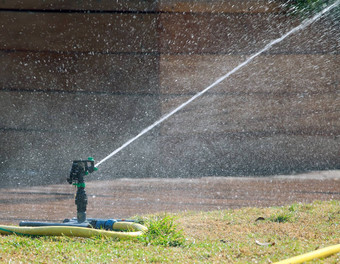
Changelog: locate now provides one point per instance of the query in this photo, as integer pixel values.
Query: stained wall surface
(80, 78)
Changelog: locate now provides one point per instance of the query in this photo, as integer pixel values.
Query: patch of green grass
(224, 236)
(281, 218)
(163, 231)
(286, 214)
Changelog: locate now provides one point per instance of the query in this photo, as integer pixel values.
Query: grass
(163, 231)
(226, 236)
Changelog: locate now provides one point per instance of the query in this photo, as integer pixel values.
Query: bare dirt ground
(122, 198)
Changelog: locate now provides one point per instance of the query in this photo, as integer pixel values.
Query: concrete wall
(80, 78)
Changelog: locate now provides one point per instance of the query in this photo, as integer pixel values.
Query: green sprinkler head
(81, 168)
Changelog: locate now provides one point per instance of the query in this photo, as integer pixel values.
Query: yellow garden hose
(125, 230)
(320, 253)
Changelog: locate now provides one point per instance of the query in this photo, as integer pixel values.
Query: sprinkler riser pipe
(79, 169)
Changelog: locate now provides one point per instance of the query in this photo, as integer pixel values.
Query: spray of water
(304, 24)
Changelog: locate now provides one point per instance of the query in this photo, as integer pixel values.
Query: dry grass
(289, 230)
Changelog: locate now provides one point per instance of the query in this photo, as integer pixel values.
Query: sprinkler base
(96, 223)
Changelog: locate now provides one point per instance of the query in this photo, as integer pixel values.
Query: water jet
(303, 25)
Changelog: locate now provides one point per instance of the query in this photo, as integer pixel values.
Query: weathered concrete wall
(79, 78)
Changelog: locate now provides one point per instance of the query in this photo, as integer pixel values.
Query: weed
(284, 216)
(163, 231)
(281, 218)
(293, 207)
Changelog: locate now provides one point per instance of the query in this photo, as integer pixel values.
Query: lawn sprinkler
(80, 168)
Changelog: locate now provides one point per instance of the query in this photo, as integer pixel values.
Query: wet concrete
(122, 198)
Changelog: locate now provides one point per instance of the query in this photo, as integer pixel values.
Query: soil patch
(122, 198)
